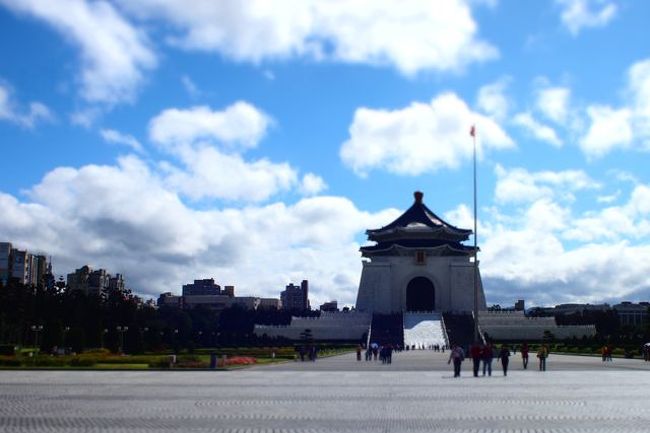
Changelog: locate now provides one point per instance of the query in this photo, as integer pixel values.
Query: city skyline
(255, 143)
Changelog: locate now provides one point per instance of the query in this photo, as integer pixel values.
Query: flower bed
(241, 360)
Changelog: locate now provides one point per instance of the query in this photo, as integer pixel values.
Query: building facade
(631, 314)
(418, 263)
(203, 287)
(22, 266)
(330, 306)
(296, 297)
(94, 282)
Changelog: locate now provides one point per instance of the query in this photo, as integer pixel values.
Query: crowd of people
(482, 355)
(374, 351)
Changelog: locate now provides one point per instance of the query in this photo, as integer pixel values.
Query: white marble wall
(384, 280)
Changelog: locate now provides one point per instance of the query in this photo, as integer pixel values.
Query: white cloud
(11, 112)
(492, 100)
(518, 185)
(113, 136)
(115, 55)
(210, 173)
(618, 223)
(525, 255)
(190, 87)
(421, 137)
(553, 102)
(209, 145)
(538, 130)
(85, 117)
(124, 219)
(626, 126)
(638, 91)
(610, 198)
(579, 14)
(412, 37)
(610, 129)
(240, 125)
(312, 184)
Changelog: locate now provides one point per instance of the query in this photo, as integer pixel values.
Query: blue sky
(254, 142)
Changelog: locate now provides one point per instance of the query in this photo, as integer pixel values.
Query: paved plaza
(417, 393)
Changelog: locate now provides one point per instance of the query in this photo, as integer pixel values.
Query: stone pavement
(427, 360)
(315, 397)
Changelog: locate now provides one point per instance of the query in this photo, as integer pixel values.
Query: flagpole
(476, 333)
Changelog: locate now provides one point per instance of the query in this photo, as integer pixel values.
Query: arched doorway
(420, 295)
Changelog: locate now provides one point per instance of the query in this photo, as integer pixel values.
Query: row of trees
(56, 317)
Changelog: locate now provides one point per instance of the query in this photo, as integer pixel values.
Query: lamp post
(36, 329)
(143, 332)
(472, 132)
(122, 330)
(65, 335)
(103, 336)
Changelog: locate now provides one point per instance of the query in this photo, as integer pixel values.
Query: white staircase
(423, 329)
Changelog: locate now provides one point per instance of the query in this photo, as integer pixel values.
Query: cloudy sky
(255, 141)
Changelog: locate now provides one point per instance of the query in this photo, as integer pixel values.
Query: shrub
(159, 363)
(7, 361)
(82, 362)
(97, 352)
(45, 361)
(192, 364)
(7, 349)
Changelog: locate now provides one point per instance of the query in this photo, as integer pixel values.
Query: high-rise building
(78, 280)
(26, 268)
(330, 306)
(304, 285)
(295, 297)
(5, 261)
(229, 291)
(97, 282)
(116, 283)
(202, 287)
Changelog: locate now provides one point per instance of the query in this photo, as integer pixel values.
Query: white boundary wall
(514, 325)
(329, 326)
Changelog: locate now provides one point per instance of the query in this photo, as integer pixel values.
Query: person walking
(524, 354)
(542, 354)
(475, 354)
(504, 357)
(457, 355)
(359, 352)
(487, 356)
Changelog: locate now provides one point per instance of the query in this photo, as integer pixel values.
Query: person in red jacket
(475, 353)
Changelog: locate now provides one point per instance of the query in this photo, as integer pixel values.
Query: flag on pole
(472, 131)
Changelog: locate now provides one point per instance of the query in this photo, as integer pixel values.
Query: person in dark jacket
(457, 355)
(524, 355)
(487, 355)
(504, 357)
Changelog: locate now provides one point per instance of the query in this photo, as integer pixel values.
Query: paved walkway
(427, 360)
(287, 398)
